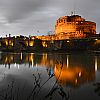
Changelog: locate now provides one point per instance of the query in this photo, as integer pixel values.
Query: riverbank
(23, 44)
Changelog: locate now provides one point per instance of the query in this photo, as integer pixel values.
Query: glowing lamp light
(68, 41)
(79, 74)
(96, 39)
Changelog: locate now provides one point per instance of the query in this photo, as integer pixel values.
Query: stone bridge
(15, 43)
(28, 44)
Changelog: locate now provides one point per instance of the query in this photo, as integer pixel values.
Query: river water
(49, 76)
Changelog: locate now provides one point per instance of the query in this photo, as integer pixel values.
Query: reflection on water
(61, 70)
(96, 66)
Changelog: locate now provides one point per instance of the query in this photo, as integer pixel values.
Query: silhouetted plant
(57, 88)
(7, 94)
(10, 94)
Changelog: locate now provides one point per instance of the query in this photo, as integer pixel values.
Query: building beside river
(71, 33)
(73, 26)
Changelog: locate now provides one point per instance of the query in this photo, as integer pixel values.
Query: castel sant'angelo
(71, 33)
(73, 26)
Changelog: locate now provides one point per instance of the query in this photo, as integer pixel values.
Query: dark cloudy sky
(26, 17)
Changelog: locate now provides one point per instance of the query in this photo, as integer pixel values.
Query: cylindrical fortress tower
(74, 26)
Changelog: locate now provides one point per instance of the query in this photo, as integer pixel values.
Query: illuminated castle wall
(74, 26)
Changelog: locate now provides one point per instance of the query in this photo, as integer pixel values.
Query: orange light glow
(65, 75)
(75, 25)
(72, 75)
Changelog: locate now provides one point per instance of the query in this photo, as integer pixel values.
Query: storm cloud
(37, 17)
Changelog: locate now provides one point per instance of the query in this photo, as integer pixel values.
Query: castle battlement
(74, 26)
